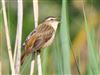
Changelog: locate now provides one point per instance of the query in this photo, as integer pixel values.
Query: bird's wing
(29, 36)
(44, 33)
(39, 37)
(36, 30)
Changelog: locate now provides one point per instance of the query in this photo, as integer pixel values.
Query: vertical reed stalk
(0, 68)
(18, 36)
(93, 63)
(39, 65)
(65, 41)
(35, 10)
(7, 37)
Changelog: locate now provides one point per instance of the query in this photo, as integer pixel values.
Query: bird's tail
(23, 57)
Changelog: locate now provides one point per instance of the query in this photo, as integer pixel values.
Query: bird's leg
(38, 52)
(33, 55)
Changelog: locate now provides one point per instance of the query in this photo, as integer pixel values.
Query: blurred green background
(52, 56)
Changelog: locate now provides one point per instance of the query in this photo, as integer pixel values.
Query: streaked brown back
(38, 37)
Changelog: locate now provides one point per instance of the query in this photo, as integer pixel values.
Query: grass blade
(93, 64)
(64, 36)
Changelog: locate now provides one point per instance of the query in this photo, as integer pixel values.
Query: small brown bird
(40, 37)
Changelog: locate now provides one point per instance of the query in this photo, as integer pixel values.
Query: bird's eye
(52, 19)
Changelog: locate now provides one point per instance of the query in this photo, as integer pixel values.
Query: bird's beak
(58, 19)
(59, 22)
